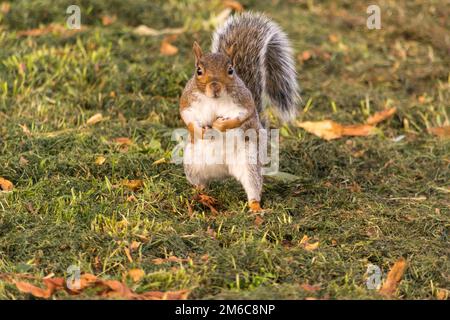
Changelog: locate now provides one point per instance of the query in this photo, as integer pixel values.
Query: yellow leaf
(393, 278)
(133, 184)
(308, 246)
(100, 160)
(107, 20)
(329, 130)
(6, 185)
(442, 294)
(136, 274)
(96, 118)
(162, 160)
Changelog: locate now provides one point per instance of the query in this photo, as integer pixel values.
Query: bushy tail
(263, 60)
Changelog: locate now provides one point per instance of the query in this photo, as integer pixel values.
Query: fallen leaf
(135, 245)
(167, 48)
(442, 294)
(306, 55)
(308, 246)
(37, 292)
(23, 161)
(381, 115)
(96, 118)
(131, 198)
(25, 129)
(162, 160)
(393, 278)
(175, 259)
(333, 38)
(51, 28)
(6, 185)
(136, 274)
(128, 254)
(443, 132)
(258, 221)
(143, 30)
(134, 185)
(233, 4)
(123, 141)
(329, 130)
(108, 20)
(100, 160)
(208, 201)
(310, 288)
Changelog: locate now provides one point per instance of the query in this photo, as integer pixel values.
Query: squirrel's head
(214, 72)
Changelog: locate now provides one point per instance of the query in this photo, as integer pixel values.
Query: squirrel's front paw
(220, 124)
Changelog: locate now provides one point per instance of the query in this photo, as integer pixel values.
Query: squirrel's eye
(199, 71)
(230, 71)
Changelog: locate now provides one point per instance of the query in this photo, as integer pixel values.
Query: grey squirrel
(251, 56)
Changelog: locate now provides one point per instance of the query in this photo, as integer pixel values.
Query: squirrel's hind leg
(250, 176)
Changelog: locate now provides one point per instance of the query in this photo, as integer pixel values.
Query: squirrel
(250, 57)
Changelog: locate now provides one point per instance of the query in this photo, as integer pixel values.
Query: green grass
(66, 210)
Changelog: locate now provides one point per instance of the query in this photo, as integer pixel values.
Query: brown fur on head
(214, 71)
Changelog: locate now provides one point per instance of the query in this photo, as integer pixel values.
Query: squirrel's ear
(231, 53)
(197, 51)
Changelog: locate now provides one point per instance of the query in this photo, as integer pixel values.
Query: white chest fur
(205, 110)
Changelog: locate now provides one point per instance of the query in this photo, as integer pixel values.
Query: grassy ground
(67, 210)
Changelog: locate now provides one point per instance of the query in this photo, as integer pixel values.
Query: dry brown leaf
(306, 55)
(333, 38)
(233, 4)
(443, 132)
(25, 129)
(170, 259)
(143, 30)
(167, 48)
(51, 28)
(23, 161)
(258, 221)
(136, 274)
(123, 141)
(310, 288)
(135, 245)
(307, 245)
(108, 20)
(108, 288)
(6, 185)
(100, 160)
(128, 254)
(134, 185)
(442, 294)
(393, 278)
(96, 118)
(381, 116)
(208, 201)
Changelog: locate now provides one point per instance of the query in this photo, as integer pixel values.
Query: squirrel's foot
(255, 206)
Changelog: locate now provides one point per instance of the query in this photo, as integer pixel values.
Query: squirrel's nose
(216, 86)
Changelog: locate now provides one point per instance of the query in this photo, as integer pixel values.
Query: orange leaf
(306, 55)
(169, 295)
(310, 288)
(6, 185)
(233, 4)
(358, 130)
(258, 221)
(443, 132)
(37, 292)
(381, 115)
(136, 274)
(107, 20)
(326, 129)
(168, 49)
(123, 141)
(308, 246)
(393, 278)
